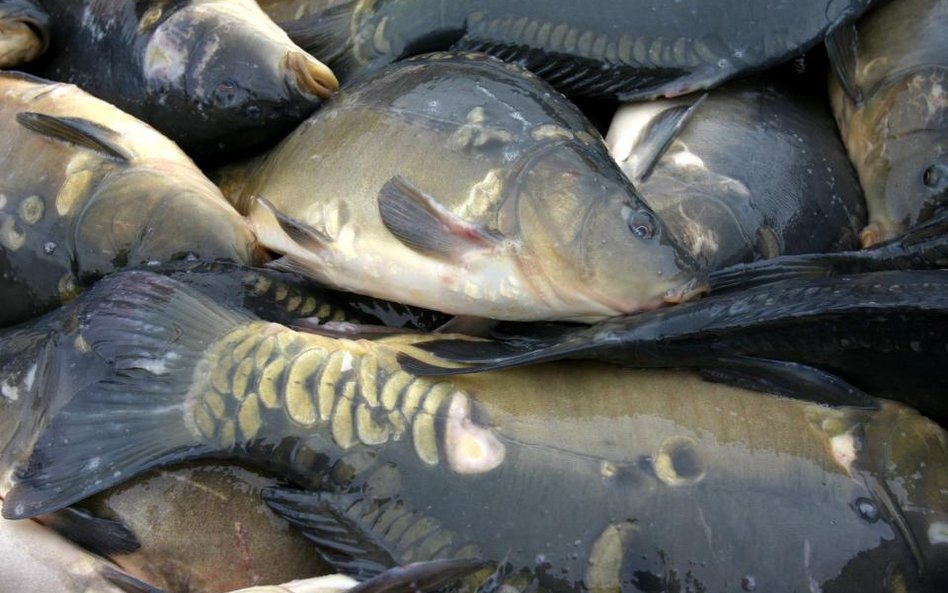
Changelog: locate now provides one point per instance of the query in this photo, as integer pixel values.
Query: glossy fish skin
(124, 195)
(24, 32)
(897, 135)
(609, 48)
(883, 333)
(756, 171)
(215, 76)
(535, 221)
(578, 493)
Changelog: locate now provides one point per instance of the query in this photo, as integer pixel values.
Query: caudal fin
(152, 332)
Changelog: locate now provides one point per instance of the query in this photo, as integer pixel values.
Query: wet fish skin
(88, 189)
(610, 48)
(896, 129)
(24, 32)
(882, 333)
(535, 222)
(756, 171)
(395, 458)
(215, 76)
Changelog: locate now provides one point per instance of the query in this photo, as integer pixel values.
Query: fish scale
(265, 374)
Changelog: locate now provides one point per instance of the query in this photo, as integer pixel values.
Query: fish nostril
(310, 75)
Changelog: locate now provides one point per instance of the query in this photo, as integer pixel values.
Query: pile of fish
(293, 293)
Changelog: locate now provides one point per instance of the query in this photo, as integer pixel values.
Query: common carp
(24, 32)
(753, 170)
(575, 477)
(890, 101)
(628, 50)
(882, 333)
(215, 76)
(533, 221)
(86, 189)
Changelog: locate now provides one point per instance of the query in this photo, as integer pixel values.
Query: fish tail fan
(152, 332)
(327, 37)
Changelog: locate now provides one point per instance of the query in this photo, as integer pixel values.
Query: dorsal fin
(76, 130)
(842, 45)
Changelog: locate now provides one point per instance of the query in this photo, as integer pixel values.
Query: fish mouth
(20, 42)
(690, 290)
(310, 75)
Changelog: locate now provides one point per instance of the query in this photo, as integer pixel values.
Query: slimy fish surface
(86, 189)
(574, 477)
(24, 32)
(534, 221)
(215, 76)
(753, 170)
(890, 98)
(832, 340)
(623, 49)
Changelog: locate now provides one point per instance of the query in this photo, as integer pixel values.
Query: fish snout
(690, 290)
(20, 42)
(310, 75)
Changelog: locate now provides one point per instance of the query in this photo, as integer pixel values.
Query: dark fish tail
(152, 332)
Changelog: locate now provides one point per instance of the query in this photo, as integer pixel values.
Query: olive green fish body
(86, 189)
(24, 32)
(609, 48)
(896, 129)
(757, 170)
(575, 477)
(215, 76)
(534, 220)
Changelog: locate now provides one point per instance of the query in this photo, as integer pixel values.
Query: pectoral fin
(425, 225)
(842, 44)
(76, 130)
(100, 536)
(126, 582)
(340, 540)
(419, 577)
(655, 138)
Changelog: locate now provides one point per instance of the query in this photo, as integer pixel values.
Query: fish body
(891, 104)
(608, 48)
(756, 170)
(882, 332)
(534, 221)
(291, 10)
(24, 32)
(215, 76)
(575, 477)
(86, 189)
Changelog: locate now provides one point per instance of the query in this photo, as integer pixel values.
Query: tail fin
(152, 331)
(327, 37)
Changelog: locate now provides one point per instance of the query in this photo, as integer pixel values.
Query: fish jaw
(310, 75)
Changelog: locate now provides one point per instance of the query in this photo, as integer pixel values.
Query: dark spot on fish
(936, 176)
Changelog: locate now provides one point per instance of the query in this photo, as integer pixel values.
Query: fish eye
(935, 176)
(641, 223)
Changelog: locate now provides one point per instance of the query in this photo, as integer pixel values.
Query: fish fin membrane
(576, 76)
(76, 130)
(104, 537)
(789, 379)
(923, 247)
(658, 136)
(326, 36)
(486, 356)
(152, 331)
(125, 581)
(321, 517)
(420, 577)
(423, 224)
(842, 45)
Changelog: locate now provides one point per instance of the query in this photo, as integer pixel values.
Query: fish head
(237, 78)
(24, 32)
(597, 241)
(159, 213)
(900, 148)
